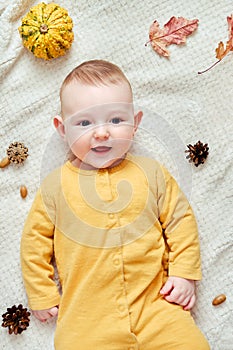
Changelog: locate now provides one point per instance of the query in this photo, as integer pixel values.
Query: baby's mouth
(101, 149)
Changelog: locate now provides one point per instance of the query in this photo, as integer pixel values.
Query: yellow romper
(116, 235)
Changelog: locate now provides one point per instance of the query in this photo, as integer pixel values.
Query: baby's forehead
(76, 96)
(71, 85)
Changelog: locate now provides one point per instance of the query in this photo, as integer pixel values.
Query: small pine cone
(16, 319)
(17, 152)
(197, 153)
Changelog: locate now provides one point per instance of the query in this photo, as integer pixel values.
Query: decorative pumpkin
(46, 31)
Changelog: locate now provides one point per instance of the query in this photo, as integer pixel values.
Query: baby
(123, 235)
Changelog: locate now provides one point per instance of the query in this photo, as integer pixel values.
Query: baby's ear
(59, 125)
(137, 120)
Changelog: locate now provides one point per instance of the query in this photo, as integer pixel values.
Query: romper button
(111, 215)
(116, 261)
(121, 308)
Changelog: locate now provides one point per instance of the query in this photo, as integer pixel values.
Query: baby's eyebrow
(119, 111)
(80, 116)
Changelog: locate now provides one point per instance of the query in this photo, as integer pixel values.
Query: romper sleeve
(36, 255)
(179, 228)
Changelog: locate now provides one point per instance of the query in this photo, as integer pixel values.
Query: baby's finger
(171, 298)
(177, 297)
(168, 286)
(53, 311)
(191, 303)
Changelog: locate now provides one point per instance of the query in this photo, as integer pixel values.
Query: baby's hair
(96, 72)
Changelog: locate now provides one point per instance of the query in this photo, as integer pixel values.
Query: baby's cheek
(75, 136)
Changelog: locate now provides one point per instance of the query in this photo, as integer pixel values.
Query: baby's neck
(85, 166)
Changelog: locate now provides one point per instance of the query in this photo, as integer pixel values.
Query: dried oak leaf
(174, 31)
(221, 50)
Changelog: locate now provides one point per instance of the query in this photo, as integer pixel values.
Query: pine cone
(16, 319)
(17, 152)
(197, 153)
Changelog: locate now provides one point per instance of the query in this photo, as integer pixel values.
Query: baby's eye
(116, 120)
(84, 123)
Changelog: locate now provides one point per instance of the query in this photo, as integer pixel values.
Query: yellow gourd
(46, 31)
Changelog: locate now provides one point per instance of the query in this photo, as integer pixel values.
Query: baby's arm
(44, 315)
(180, 291)
(180, 231)
(37, 250)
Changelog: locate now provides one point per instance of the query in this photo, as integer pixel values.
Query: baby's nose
(101, 132)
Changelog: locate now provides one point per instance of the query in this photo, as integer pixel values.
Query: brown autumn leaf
(175, 31)
(222, 50)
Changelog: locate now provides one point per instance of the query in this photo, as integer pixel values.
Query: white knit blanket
(180, 107)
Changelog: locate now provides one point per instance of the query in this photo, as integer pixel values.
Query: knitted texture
(180, 107)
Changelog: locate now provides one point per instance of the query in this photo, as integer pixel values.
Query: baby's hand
(180, 291)
(44, 315)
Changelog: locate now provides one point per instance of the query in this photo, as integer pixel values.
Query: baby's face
(99, 123)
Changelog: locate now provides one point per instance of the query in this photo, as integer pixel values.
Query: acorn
(4, 162)
(23, 191)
